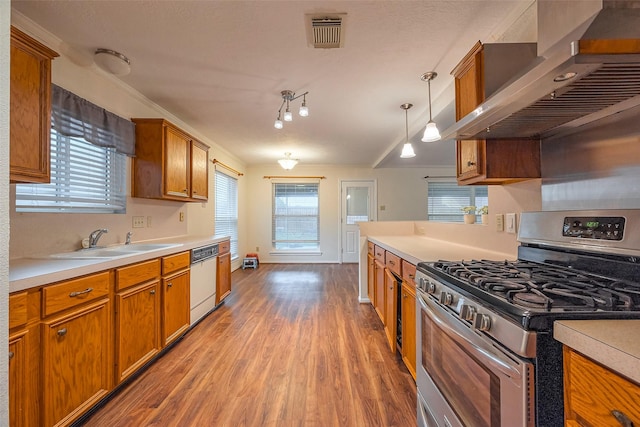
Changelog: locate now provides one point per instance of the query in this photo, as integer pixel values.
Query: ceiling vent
(325, 31)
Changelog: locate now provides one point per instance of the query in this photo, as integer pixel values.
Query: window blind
(85, 178)
(226, 215)
(296, 222)
(446, 199)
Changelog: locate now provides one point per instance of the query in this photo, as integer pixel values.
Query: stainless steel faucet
(128, 238)
(95, 236)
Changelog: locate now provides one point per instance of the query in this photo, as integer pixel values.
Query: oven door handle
(479, 349)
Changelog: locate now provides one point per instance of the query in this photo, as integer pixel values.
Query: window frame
(232, 230)
(295, 245)
(455, 213)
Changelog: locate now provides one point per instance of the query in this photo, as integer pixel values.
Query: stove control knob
(431, 287)
(446, 298)
(467, 312)
(481, 322)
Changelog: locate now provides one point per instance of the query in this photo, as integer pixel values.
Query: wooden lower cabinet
(77, 367)
(391, 308)
(370, 277)
(175, 306)
(409, 327)
(18, 380)
(137, 327)
(223, 280)
(379, 293)
(596, 396)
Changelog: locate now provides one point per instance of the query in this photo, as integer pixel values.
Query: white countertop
(613, 343)
(25, 273)
(416, 248)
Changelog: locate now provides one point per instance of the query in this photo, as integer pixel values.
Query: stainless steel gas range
(486, 354)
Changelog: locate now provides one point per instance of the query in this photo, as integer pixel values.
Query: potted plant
(469, 214)
(484, 214)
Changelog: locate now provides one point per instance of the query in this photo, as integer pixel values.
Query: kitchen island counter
(612, 343)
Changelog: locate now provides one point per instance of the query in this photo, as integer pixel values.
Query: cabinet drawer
(370, 248)
(175, 262)
(378, 253)
(69, 294)
(137, 273)
(224, 247)
(592, 392)
(394, 263)
(18, 310)
(408, 272)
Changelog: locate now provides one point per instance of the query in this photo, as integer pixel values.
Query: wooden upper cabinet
(30, 105)
(480, 74)
(169, 163)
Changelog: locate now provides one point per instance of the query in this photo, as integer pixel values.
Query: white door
(358, 205)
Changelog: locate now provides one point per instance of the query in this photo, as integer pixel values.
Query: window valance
(73, 116)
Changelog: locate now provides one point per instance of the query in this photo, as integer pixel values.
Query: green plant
(468, 209)
(483, 210)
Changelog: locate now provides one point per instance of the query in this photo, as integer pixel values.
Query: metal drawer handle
(75, 294)
(622, 418)
(470, 163)
(392, 262)
(152, 291)
(169, 285)
(11, 354)
(62, 332)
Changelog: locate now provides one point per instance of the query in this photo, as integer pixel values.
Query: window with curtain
(88, 153)
(226, 216)
(296, 221)
(446, 199)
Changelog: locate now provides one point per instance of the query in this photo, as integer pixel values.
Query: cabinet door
(391, 310)
(409, 328)
(370, 277)
(76, 364)
(469, 159)
(199, 171)
(18, 395)
(223, 279)
(379, 290)
(176, 168)
(30, 104)
(137, 327)
(175, 306)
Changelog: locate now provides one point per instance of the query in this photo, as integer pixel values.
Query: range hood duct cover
(534, 105)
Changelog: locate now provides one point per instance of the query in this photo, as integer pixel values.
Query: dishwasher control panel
(204, 252)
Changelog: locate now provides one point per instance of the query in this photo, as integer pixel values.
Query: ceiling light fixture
(431, 132)
(288, 163)
(407, 149)
(112, 62)
(287, 97)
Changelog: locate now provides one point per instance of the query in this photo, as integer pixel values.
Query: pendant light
(407, 149)
(431, 132)
(287, 163)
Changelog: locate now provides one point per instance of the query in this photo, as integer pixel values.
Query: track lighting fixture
(287, 97)
(407, 149)
(431, 132)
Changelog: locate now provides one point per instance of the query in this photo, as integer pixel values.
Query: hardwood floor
(291, 346)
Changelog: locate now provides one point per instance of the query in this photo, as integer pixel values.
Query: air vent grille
(326, 32)
(608, 85)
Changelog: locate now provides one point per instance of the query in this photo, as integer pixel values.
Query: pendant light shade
(407, 149)
(431, 132)
(287, 163)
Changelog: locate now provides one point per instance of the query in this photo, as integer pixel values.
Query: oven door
(466, 379)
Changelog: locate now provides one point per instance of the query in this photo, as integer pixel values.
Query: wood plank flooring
(291, 346)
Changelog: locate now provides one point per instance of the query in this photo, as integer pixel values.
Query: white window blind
(226, 216)
(446, 199)
(296, 221)
(85, 178)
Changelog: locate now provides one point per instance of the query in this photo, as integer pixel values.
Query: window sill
(295, 253)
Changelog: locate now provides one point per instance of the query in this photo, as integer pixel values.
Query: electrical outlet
(257, 248)
(499, 222)
(138, 222)
(421, 231)
(181, 216)
(149, 221)
(511, 225)
(382, 207)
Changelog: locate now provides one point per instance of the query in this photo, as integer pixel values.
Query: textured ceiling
(221, 65)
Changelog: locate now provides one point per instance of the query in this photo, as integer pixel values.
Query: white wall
(5, 8)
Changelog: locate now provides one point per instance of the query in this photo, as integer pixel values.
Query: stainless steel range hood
(539, 104)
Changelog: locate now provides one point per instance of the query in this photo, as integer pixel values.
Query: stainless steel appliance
(486, 355)
(203, 281)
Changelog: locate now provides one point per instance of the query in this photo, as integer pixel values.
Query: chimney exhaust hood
(591, 73)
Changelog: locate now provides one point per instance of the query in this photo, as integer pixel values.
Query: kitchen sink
(114, 251)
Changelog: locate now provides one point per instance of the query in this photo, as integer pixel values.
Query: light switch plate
(511, 225)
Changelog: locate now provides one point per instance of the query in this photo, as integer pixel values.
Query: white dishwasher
(203, 281)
